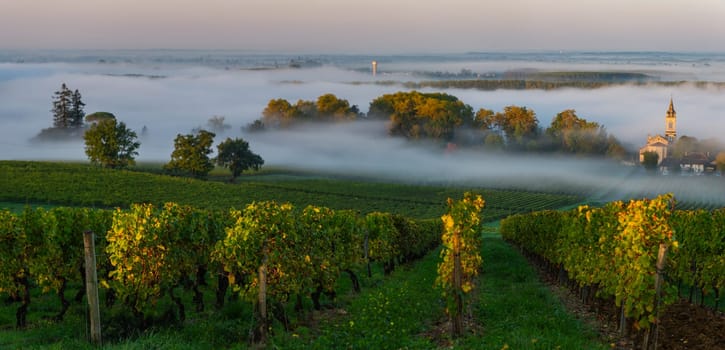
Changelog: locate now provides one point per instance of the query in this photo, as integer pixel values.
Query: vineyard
(149, 253)
(264, 255)
(637, 254)
(68, 184)
(161, 266)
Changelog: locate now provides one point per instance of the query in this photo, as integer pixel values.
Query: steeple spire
(671, 122)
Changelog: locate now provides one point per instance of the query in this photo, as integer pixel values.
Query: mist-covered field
(171, 96)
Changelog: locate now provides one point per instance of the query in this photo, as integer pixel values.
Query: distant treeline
(522, 84)
(533, 75)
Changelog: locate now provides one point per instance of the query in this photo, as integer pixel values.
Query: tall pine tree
(62, 105)
(76, 111)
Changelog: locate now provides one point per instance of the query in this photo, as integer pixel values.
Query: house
(696, 163)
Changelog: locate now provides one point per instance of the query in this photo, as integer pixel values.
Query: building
(657, 144)
(696, 163)
(661, 144)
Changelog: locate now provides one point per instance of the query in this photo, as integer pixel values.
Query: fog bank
(169, 100)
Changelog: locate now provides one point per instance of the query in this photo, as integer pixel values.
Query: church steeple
(671, 122)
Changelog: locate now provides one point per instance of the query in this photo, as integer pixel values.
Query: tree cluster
(215, 124)
(688, 144)
(443, 117)
(191, 155)
(67, 108)
(280, 113)
(111, 144)
(68, 115)
(517, 128)
(417, 115)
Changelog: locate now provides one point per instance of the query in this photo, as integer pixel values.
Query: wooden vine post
(92, 287)
(650, 341)
(457, 321)
(367, 252)
(262, 301)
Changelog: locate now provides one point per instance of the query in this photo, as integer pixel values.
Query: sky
(372, 26)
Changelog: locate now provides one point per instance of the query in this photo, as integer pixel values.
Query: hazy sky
(372, 26)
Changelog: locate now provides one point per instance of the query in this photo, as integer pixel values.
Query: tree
(684, 145)
(236, 155)
(720, 161)
(111, 144)
(572, 134)
(62, 105)
(254, 126)
(483, 119)
(191, 154)
(417, 115)
(98, 116)
(279, 113)
(331, 107)
(493, 141)
(650, 160)
(305, 110)
(615, 149)
(517, 126)
(76, 110)
(217, 124)
(518, 123)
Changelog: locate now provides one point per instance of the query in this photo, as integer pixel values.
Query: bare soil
(682, 326)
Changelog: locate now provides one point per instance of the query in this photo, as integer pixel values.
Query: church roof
(671, 109)
(657, 139)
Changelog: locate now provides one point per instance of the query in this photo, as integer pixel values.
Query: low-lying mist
(170, 100)
(362, 149)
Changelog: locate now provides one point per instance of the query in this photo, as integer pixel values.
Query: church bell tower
(671, 123)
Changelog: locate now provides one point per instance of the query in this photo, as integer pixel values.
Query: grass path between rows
(518, 311)
(513, 309)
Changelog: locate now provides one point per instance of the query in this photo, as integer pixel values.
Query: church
(661, 144)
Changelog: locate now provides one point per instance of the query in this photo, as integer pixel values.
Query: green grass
(518, 311)
(513, 307)
(393, 315)
(18, 207)
(73, 184)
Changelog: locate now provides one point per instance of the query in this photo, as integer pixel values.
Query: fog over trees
(443, 118)
(162, 99)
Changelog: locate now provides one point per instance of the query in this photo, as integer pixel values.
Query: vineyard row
(147, 252)
(612, 251)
